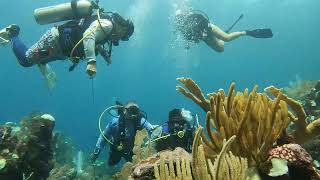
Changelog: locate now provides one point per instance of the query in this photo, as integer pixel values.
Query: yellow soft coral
(304, 132)
(254, 118)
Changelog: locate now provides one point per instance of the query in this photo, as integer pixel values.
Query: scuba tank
(76, 9)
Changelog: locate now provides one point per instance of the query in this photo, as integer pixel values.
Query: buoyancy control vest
(121, 142)
(192, 26)
(180, 130)
(71, 32)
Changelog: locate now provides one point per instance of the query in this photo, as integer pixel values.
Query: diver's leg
(20, 49)
(215, 44)
(227, 37)
(47, 49)
(114, 158)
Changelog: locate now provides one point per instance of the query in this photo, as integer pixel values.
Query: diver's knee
(220, 49)
(26, 64)
(227, 39)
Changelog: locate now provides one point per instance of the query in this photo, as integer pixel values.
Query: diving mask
(130, 30)
(132, 111)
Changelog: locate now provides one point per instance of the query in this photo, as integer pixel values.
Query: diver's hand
(92, 69)
(94, 157)
(109, 60)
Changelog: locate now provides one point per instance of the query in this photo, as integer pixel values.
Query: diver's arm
(146, 125)
(108, 131)
(92, 34)
(101, 143)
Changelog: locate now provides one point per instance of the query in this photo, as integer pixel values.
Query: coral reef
(226, 165)
(63, 149)
(311, 102)
(293, 153)
(72, 165)
(314, 149)
(296, 160)
(299, 88)
(308, 94)
(25, 150)
(255, 122)
(304, 131)
(173, 167)
(145, 168)
(140, 151)
(254, 118)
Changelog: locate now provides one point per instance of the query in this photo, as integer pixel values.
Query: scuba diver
(178, 131)
(195, 26)
(120, 133)
(83, 36)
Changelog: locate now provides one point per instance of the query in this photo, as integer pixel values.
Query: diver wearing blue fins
(120, 132)
(195, 26)
(83, 36)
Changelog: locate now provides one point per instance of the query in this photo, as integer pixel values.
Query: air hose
(180, 134)
(101, 117)
(75, 59)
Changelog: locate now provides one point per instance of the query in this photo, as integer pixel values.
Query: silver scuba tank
(75, 9)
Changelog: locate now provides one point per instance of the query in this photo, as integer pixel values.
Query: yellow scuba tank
(62, 12)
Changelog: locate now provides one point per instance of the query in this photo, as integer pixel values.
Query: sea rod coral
(255, 119)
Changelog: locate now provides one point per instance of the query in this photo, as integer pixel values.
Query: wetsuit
(174, 141)
(112, 132)
(49, 47)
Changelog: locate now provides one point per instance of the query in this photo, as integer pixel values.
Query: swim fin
(7, 33)
(4, 37)
(260, 33)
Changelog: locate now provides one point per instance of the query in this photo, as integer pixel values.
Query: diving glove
(94, 156)
(260, 33)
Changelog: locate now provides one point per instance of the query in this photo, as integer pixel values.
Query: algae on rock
(27, 150)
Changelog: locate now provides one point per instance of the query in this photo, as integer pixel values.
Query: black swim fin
(260, 33)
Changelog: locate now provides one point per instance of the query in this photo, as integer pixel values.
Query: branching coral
(173, 168)
(226, 165)
(254, 118)
(304, 132)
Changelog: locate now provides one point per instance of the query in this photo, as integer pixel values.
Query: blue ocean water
(145, 68)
